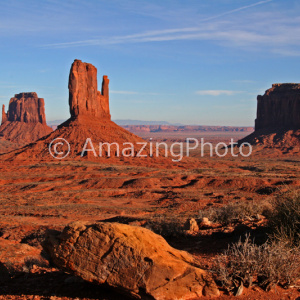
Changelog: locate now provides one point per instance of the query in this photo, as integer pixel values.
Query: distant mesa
(90, 119)
(279, 107)
(277, 124)
(25, 107)
(25, 121)
(185, 128)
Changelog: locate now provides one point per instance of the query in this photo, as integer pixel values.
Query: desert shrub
(166, 226)
(30, 262)
(236, 211)
(284, 221)
(266, 265)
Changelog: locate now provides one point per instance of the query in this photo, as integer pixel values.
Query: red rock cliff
(27, 108)
(279, 107)
(84, 97)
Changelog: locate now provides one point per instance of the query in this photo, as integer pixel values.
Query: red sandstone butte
(277, 125)
(25, 121)
(84, 97)
(90, 119)
(279, 107)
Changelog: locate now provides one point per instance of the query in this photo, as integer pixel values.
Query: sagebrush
(265, 265)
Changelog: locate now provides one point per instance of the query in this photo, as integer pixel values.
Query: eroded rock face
(27, 108)
(279, 107)
(4, 115)
(84, 97)
(131, 259)
(25, 121)
(90, 120)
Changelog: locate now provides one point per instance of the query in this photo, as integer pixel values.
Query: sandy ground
(37, 196)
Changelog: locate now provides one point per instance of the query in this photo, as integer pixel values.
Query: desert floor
(38, 196)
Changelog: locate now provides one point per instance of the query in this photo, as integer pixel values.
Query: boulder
(133, 260)
(205, 222)
(191, 226)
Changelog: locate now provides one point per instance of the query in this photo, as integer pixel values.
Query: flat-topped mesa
(84, 97)
(4, 115)
(279, 107)
(26, 107)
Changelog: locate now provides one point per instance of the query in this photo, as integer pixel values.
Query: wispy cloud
(237, 10)
(216, 92)
(124, 92)
(138, 93)
(214, 31)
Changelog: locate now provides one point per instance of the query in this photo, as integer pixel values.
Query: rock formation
(84, 97)
(277, 125)
(25, 121)
(27, 108)
(279, 107)
(130, 259)
(4, 115)
(90, 121)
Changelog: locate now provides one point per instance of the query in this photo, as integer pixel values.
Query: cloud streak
(216, 92)
(211, 32)
(139, 93)
(124, 92)
(237, 10)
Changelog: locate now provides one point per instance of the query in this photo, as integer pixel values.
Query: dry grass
(284, 222)
(166, 226)
(232, 212)
(245, 263)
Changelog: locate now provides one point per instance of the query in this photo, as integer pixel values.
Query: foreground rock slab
(130, 259)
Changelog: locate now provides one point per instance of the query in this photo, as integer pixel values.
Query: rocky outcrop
(89, 125)
(4, 115)
(279, 107)
(277, 126)
(14, 257)
(27, 108)
(84, 97)
(130, 259)
(25, 121)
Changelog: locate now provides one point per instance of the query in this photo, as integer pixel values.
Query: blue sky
(191, 62)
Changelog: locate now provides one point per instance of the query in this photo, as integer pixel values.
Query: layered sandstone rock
(277, 125)
(130, 259)
(4, 115)
(279, 107)
(27, 108)
(25, 121)
(89, 125)
(84, 97)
